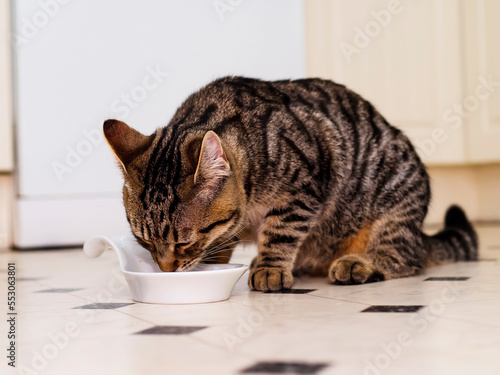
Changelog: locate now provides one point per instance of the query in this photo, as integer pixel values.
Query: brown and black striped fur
(307, 168)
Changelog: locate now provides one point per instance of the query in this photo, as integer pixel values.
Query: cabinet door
(481, 103)
(136, 61)
(403, 56)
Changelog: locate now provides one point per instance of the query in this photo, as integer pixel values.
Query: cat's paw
(270, 279)
(353, 269)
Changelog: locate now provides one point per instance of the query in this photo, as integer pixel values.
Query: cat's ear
(126, 143)
(212, 162)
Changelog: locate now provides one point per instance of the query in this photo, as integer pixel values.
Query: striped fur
(307, 168)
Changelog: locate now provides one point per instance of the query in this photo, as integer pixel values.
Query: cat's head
(181, 195)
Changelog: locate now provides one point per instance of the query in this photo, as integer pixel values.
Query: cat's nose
(167, 265)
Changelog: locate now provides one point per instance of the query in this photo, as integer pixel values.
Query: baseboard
(6, 197)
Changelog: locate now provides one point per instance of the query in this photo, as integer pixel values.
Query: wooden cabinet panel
(403, 56)
(481, 20)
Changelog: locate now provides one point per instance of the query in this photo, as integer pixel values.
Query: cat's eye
(146, 244)
(213, 225)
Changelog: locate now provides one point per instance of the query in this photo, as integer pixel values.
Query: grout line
(240, 354)
(136, 317)
(343, 300)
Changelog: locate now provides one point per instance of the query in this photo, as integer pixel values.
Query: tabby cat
(306, 168)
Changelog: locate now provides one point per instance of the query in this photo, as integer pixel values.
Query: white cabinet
(422, 63)
(482, 81)
(82, 62)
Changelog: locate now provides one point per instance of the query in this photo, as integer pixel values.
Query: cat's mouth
(176, 265)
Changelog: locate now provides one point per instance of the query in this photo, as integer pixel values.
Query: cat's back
(344, 108)
(308, 108)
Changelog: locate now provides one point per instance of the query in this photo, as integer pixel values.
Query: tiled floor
(76, 317)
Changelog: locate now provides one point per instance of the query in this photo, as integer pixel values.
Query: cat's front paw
(270, 279)
(353, 269)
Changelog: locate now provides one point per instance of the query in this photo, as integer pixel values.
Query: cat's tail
(456, 242)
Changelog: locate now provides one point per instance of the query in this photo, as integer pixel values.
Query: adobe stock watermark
(246, 326)
(422, 320)
(363, 36)
(121, 106)
(29, 27)
(454, 116)
(58, 341)
(221, 7)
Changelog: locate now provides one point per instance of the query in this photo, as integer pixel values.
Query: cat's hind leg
(385, 250)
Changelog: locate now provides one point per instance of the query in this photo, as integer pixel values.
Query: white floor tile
(456, 331)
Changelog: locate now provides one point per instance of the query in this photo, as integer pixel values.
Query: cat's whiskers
(217, 251)
(212, 253)
(220, 248)
(190, 265)
(215, 257)
(225, 244)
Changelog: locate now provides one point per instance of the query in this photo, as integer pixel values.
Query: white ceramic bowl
(147, 283)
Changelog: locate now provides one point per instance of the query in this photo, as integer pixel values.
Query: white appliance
(78, 63)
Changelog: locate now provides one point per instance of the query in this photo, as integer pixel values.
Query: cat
(306, 168)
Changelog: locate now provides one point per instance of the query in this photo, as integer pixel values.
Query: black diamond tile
(394, 308)
(448, 278)
(57, 290)
(292, 291)
(104, 306)
(284, 368)
(169, 330)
